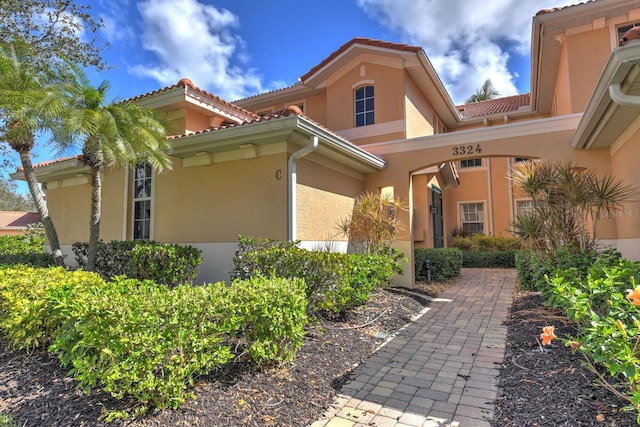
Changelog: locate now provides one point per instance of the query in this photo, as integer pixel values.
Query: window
(472, 216)
(364, 106)
(470, 163)
(142, 182)
(524, 206)
(623, 29)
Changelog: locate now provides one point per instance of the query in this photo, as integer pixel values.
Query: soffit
(604, 120)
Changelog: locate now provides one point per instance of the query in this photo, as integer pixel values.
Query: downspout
(490, 195)
(291, 190)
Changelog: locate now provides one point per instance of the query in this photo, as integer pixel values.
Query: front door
(436, 216)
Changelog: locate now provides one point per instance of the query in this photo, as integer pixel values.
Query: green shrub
(26, 249)
(29, 316)
(167, 264)
(608, 328)
(334, 281)
(137, 339)
(483, 243)
(464, 243)
(273, 316)
(445, 263)
(490, 259)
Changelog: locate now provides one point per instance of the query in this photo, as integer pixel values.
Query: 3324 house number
(461, 150)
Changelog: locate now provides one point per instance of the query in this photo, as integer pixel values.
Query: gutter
(292, 181)
(621, 98)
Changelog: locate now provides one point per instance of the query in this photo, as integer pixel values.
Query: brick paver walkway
(442, 369)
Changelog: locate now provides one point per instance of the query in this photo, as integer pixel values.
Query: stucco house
(17, 222)
(374, 116)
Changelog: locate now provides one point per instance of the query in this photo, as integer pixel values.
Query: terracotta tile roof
(494, 106)
(363, 41)
(18, 219)
(185, 82)
(556, 9)
(51, 162)
(292, 109)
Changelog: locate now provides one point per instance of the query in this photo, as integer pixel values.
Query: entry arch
(547, 138)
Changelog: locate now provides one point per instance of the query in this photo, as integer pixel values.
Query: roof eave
(54, 171)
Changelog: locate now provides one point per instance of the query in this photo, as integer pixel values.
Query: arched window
(364, 106)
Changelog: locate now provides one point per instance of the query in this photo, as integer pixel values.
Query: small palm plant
(568, 204)
(374, 223)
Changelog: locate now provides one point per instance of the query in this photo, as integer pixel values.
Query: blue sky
(238, 48)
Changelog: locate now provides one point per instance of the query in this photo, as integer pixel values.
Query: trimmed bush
(140, 340)
(445, 263)
(26, 249)
(476, 259)
(30, 314)
(166, 264)
(273, 316)
(334, 281)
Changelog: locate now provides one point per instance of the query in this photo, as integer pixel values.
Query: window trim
(135, 199)
(484, 213)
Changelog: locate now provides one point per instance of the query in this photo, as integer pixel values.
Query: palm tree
(118, 134)
(29, 99)
(486, 92)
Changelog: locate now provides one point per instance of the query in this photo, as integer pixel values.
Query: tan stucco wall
(625, 167)
(419, 112)
(216, 203)
(586, 54)
(324, 197)
(562, 96)
(69, 209)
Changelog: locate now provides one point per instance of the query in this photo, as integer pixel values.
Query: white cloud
(194, 40)
(465, 39)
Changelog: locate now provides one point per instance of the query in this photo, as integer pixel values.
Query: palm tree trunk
(41, 206)
(94, 220)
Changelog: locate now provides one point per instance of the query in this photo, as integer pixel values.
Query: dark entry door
(436, 216)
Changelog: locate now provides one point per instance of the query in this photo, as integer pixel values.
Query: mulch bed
(549, 388)
(36, 391)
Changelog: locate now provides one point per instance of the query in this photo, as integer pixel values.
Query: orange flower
(634, 296)
(547, 334)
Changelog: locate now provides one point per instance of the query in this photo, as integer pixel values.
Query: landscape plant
(146, 342)
(568, 203)
(373, 225)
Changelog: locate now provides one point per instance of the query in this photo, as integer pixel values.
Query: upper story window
(623, 29)
(142, 185)
(471, 163)
(364, 106)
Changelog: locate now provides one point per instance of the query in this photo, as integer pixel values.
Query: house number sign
(461, 150)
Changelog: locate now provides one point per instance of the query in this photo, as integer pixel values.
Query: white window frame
(520, 211)
(474, 166)
(461, 215)
(365, 111)
(142, 199)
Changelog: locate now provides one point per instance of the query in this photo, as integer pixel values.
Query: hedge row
(27, 249)
(335, 282)
(167, 264)
(445, 264)
(492, 259)
(137, 339)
